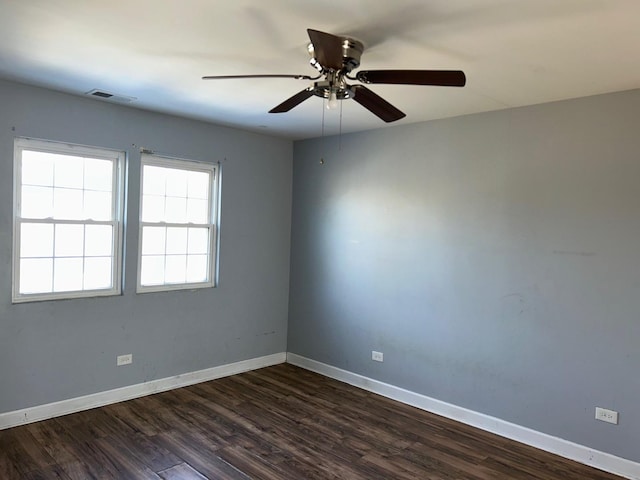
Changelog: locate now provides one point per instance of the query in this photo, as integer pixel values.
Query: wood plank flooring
(280, 422)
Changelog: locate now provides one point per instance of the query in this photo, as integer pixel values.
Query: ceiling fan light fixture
(315, 64)
(332, 103)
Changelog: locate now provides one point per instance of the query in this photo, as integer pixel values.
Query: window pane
(36, 275)
(176, 269)
(66, 219)
(198, 240)
(176, 193)
(197, 211)
(176, 183)
(176, 240)
(153, 180)
(67, 204)
(37, 168)
(197, 268)
(98, 174)
(176, 210)
(153, 240)
(68, 171)
(97, 273)
(36, 240)
(69, 241)
(152, 270)
(36, 202)
(97, 205)
(198, 185)
(152, 208)
(67, 274)
(98, 241)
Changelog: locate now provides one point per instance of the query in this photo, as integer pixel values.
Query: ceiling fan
(335, 57)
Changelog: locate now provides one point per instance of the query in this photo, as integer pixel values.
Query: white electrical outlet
(609, 416)
(124, 359)
(377, 356)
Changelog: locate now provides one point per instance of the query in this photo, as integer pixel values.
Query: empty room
(319, 240)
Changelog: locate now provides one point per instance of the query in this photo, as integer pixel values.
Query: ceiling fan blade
(227, 77)
(376, 104)
(294, 101)
(327, 49)
(443, 78)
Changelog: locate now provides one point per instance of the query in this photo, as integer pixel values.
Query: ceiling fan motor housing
(351, 50)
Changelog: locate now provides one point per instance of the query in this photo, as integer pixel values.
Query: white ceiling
(514, 53)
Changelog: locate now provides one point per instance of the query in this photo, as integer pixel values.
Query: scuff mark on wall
(265, 333)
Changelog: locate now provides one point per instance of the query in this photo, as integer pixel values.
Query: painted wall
(62, 349)
(494, 259)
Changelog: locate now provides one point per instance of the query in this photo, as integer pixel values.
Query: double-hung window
(178, 219)
(67, 221)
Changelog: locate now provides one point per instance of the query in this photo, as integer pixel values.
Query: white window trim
(214, 206)
(117, 205)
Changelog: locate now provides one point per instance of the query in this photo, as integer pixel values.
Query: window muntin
(178, 212)
(67, 221)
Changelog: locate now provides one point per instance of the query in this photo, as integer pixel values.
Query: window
(67, 221)
(178, 214)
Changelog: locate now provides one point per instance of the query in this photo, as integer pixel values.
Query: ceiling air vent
(112, 97)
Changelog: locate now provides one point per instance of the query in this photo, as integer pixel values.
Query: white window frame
(117, 214)
(152, 159)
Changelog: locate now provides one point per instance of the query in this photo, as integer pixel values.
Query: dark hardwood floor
(280, 422)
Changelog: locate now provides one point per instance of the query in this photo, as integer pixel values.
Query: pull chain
(340, 129)
(322, 134)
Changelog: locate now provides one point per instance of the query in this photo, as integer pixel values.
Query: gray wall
(494, 259)
(62, 349)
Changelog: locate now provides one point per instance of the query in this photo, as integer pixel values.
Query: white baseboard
(564, 448)
(64, 407)
(558, 446)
